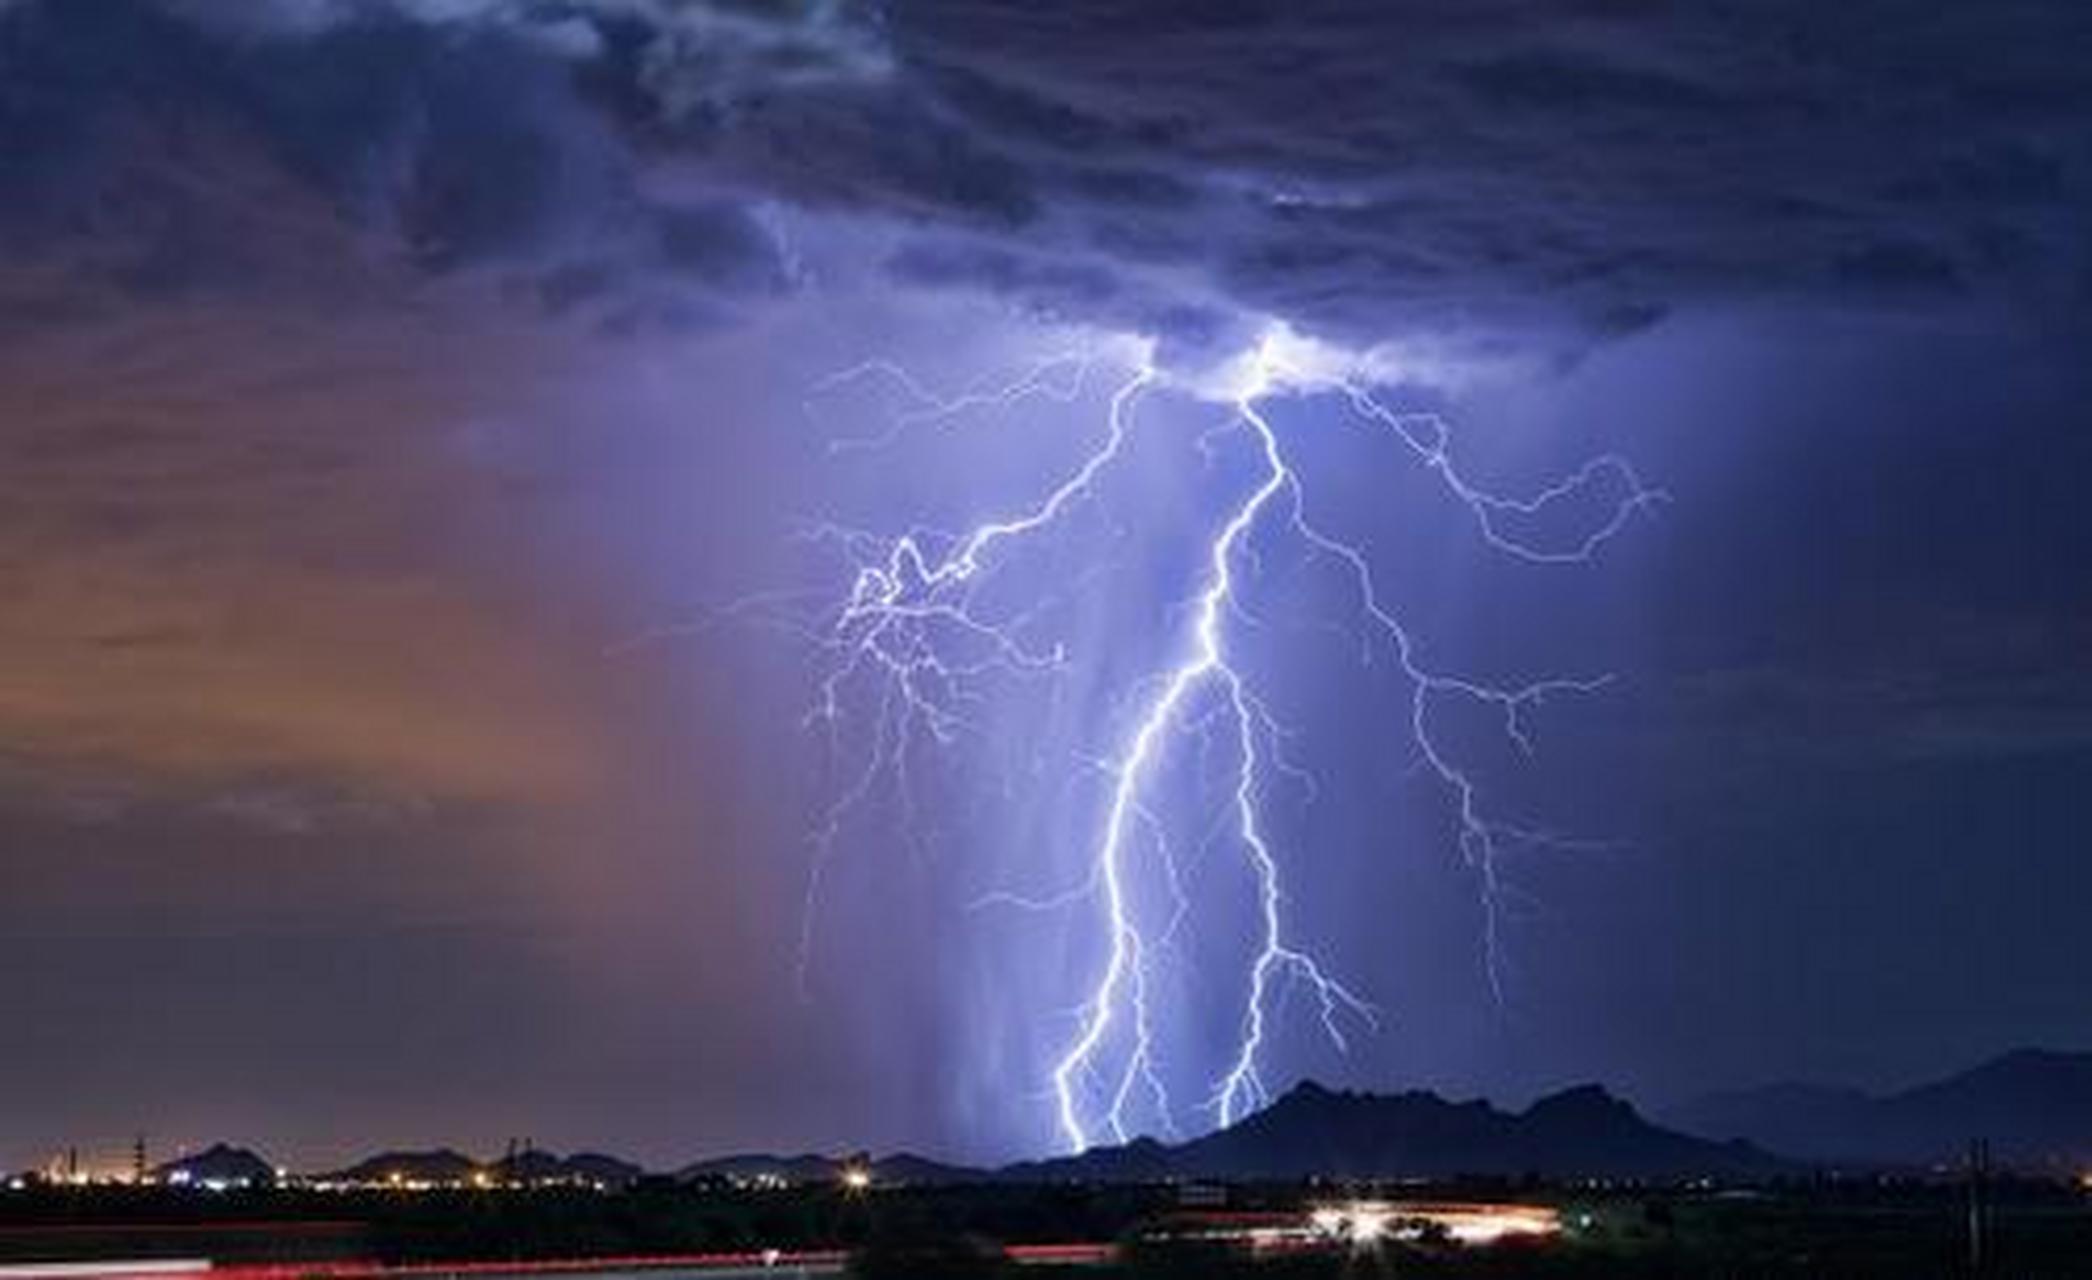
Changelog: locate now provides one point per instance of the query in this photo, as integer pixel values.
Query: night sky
(416, 419)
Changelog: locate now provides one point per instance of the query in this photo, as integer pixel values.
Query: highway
(746, 1265)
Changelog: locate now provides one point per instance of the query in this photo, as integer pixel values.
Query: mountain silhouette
(440, 1167)
(2033, 1106)
(594, 1166)
(530, 1165)
(1317, 1132)
(801, 1169)
(221, 1163)
(533, 1165)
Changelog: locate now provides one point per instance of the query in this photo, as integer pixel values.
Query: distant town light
(857, 1178)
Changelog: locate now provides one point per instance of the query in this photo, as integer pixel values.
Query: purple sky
(393, 396)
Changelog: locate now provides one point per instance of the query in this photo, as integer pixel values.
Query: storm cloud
(1495, 172)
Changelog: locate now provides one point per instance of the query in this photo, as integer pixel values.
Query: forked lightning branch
(909, 653)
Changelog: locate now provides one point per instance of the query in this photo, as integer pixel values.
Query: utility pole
(138, 1161)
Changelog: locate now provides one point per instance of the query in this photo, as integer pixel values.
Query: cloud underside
(1512, 171)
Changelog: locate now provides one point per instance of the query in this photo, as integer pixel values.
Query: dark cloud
(170, 158)
(1062, 287)
(1559, 170)
(1532, 166)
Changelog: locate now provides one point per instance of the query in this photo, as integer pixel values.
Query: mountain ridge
(1582, 1131)
(2034, 1106)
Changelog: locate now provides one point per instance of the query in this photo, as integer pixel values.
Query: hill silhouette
(900, 1168)
(2034, 1106)
(1317, 1132)
(440, 1167)
(1313, 1131)
(221, 1163)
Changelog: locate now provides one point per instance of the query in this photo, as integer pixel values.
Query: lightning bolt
(914, 628)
